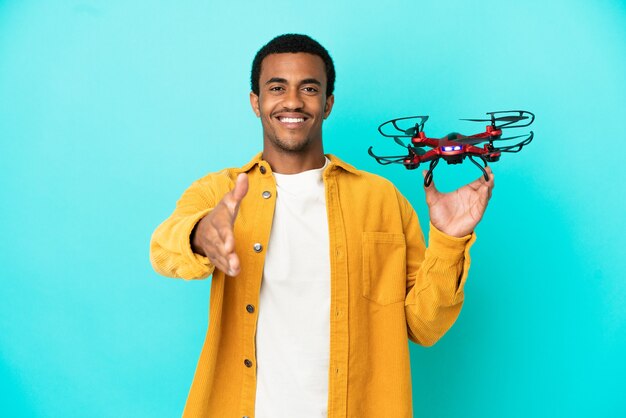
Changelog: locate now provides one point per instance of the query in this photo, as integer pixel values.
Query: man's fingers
(228, 263)
(226, 237)
(233, 264)
(219, 261)
(224, 246)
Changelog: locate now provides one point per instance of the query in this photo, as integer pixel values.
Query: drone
(454, 147)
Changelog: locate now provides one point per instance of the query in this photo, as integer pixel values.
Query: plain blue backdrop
(110, 109)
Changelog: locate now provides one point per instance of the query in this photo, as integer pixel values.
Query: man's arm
(437, 275)
(435, 288)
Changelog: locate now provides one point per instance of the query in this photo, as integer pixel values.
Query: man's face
(292, 102)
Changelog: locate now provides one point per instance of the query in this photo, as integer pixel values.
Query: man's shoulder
(366, 177)
(226, 176)
(374, 186)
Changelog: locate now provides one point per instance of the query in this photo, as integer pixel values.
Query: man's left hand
(457, 213)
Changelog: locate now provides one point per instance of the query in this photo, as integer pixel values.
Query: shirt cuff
(442, 245)
(198, 264)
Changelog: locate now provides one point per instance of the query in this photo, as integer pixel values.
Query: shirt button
(262, 170)
(247, 362)
(250, 308)
(257, 247)
(266, 194)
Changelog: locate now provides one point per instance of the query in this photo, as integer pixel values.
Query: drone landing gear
(428, 179)
(485, 175)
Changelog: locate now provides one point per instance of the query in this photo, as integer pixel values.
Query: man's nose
(293, 99)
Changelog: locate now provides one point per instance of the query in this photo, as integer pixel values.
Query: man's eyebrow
(276, 80)
(284, 81)
(311, 81)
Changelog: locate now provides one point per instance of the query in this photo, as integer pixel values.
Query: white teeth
(291, 120)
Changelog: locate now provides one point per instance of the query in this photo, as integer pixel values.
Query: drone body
(454, 147)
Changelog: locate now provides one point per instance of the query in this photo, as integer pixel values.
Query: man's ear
(254, 102)
(328, 106)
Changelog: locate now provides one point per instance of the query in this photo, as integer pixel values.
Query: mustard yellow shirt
(386, 288)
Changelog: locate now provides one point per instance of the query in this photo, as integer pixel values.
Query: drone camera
(454, 159)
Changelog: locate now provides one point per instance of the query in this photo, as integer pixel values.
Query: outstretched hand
(457, 213)
(213, 236)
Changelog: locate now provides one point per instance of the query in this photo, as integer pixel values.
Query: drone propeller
(504, 118)
(517, 147)
(398, 159)
(415, 149)
(412, 131)
(510, 121)
(409, 132)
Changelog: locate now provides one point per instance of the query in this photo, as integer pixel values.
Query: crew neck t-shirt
(293, 330)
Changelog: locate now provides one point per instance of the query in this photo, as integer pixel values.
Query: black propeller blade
(503, 118)
(399, 142)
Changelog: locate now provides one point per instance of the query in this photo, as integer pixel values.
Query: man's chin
(292, 146)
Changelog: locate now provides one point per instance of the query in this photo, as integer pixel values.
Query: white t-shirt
(293, 330)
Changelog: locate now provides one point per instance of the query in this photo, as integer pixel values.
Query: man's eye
(276, 88)
(310, 89)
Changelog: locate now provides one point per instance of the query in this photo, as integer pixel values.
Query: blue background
(110, 109)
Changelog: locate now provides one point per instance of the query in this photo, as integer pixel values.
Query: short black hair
(292, 42)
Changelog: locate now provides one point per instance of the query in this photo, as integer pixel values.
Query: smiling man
(320, 273)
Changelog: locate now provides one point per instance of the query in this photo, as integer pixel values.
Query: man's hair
(293, 43)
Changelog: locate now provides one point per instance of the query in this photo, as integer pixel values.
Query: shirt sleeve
(170, 247)
(435, 279)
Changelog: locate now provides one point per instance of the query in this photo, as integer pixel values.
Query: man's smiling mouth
(285, 119)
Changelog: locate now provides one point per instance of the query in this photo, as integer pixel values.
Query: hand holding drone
(454, 147)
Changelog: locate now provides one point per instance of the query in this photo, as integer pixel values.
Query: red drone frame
(454, 147)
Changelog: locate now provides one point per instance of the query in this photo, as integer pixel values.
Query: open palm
(457, 213)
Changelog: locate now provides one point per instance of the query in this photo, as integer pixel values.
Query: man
(319, 271)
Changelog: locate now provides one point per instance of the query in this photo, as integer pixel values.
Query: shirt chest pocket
(384, 267)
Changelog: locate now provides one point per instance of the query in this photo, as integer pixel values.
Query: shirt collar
(334, 162)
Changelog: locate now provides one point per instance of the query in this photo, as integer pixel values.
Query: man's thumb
(241, 187)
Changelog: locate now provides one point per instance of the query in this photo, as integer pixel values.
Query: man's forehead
(288, 65)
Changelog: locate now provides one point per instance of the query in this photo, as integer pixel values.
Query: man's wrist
(195, 239)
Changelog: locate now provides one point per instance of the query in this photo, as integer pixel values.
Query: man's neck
(294, 163)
